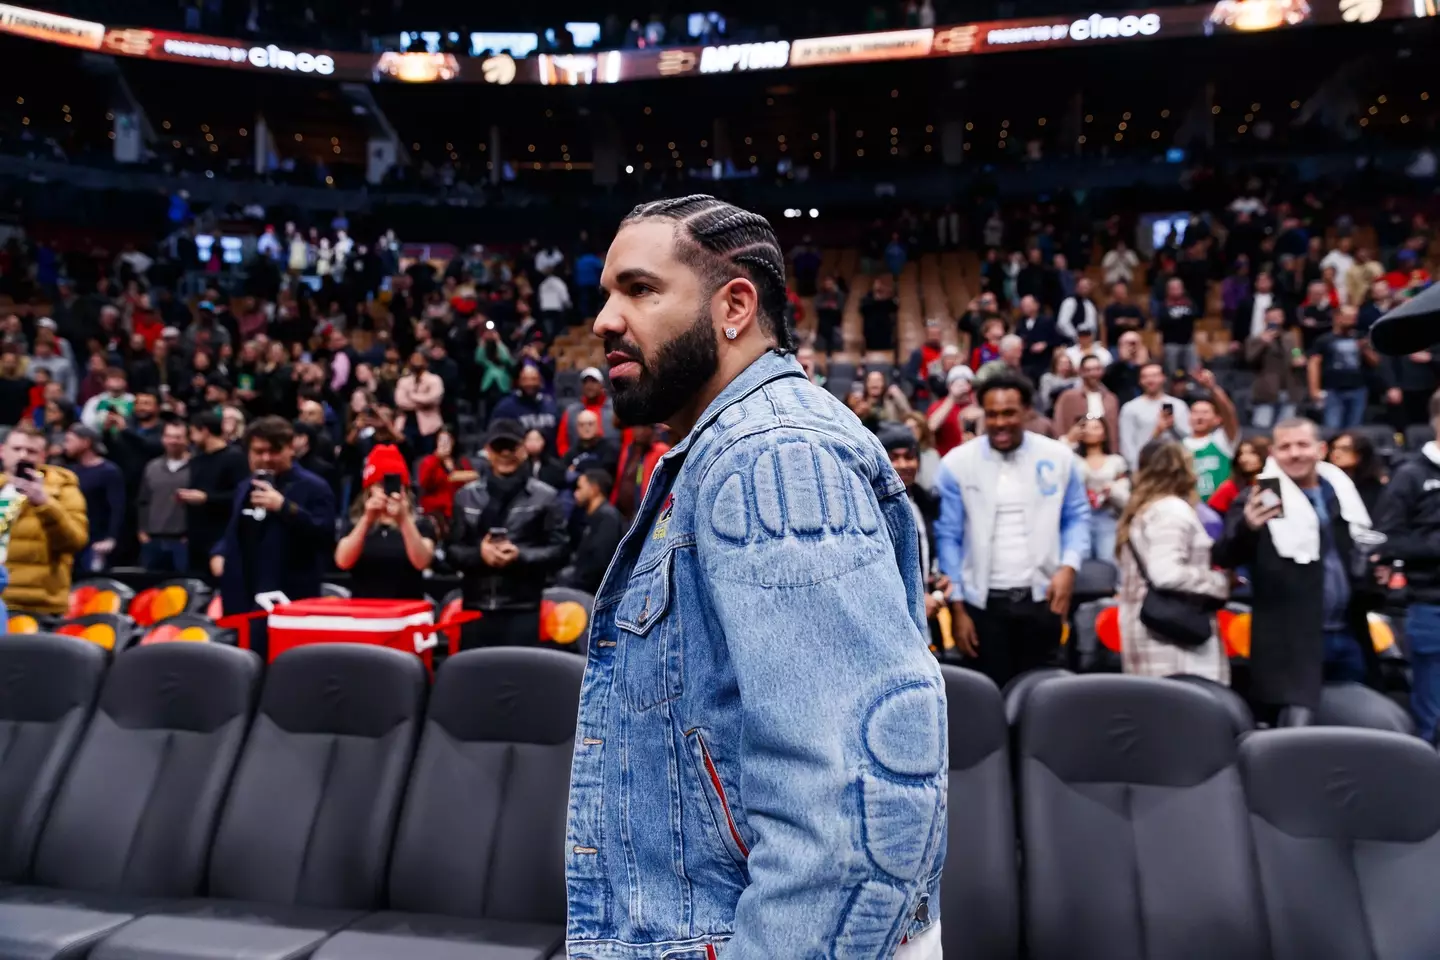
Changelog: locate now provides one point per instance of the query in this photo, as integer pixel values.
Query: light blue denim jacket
(759, 768)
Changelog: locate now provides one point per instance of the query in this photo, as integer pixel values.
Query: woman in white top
(1106, 484)
(1160, 524)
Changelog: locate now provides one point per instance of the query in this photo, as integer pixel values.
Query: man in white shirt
(549, 259)
(554, 300)
(1249, 318)
(1078, 312)
(1014, 525)
(1120, 264)
(1341, 258)
(1152, 414)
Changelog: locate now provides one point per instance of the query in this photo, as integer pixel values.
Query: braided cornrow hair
(724, 241)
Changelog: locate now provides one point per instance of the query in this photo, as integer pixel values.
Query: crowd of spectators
(1138, 433)
(347, 410)
(397, 418)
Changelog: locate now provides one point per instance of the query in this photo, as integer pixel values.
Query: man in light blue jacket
(1014, 525)
(760, 759)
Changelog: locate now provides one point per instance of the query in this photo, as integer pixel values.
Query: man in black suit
(1249, 318)
(1041, 337)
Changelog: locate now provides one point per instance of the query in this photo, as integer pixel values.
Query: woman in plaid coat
(1160, 524)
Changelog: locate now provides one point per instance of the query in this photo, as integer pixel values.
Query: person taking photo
(47, 524)
(388, 548)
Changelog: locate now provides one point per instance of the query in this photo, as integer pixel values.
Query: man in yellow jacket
(42, 529)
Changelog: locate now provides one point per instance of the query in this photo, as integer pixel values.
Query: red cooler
(407, 625)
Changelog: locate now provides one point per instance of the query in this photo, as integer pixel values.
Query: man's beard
(670, 380)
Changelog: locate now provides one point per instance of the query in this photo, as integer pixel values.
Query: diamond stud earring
(731, 333)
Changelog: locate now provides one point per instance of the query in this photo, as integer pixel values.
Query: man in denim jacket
(759, 768)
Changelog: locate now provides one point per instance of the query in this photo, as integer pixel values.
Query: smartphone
(857, 388)
(1169, 408)
(499, 533)
(393, 484)
(264, 476)
(1269, 493)
(25, 470)
(968, 425)
(489, 324)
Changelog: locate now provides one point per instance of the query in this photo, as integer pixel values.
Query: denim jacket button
(922, 912)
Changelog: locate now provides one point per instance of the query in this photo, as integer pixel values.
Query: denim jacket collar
(767, 367)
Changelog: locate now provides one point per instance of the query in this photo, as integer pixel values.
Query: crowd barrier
(185, 801)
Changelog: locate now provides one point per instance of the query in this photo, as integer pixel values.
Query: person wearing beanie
(507, 535)
(388, 547)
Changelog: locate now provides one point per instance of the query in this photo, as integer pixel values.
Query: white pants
(924, 947)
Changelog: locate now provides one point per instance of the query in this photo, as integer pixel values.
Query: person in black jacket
(282, 526)
(603, 529)
(507, 535)
(1409, 515)
(216, 471)
(1309, 611)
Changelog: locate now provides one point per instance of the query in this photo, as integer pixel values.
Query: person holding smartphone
(282, 524)
(1295, 532)
(388, 547)
(507, 534)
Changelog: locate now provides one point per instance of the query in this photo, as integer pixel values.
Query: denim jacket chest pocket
(648, 635)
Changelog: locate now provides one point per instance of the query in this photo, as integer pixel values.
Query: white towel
(1296, 534)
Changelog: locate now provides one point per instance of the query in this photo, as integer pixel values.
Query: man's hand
(1206, 378)
(217, 565)
(1234, 346)
(1393, 396)
(1257, 514)
(142, 536)
(963, 628)
(1038, 347)
(104, 547)
(497, 553)
(33, 490)
(1062, 586)
(265, 496)
(1420, 356)
(1164, 423)
(192, 498)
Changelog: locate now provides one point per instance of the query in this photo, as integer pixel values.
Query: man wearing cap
(507, 534)
(950, 415)
(205, 323)
(103, 487)
(592, 398)
(900, 443)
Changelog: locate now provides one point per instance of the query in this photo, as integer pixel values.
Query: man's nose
(608, 321)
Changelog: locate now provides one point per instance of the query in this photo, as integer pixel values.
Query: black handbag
(1177, 617)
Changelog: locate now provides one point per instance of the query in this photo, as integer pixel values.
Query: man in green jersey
(1214, 433)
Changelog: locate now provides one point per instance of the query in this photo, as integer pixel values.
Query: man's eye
(640, 289)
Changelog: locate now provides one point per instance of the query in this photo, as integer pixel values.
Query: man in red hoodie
(592, 398)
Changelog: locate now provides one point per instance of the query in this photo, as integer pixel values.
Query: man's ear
(737, 305)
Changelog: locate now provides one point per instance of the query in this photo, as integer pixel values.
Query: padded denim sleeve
(842, 784)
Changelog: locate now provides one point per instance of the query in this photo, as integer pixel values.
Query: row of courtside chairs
(180, 803)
